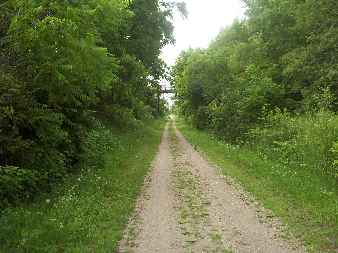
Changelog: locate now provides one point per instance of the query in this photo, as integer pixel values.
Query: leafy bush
(88, 211)
(301, 142)
(61, 62)
(15, 181)
(124, 117)
(99, 141)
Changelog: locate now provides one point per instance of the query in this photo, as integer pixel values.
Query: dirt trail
(154, 227)
(187, 206)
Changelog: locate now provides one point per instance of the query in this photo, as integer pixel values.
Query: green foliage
(280, 56)
(305, 142)
(63, 63)
(213, 97)
(14, 181)
(334, 151)
(98, 142)
(88, 212)
(269, 80)
(150, 31)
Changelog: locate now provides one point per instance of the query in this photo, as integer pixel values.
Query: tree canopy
(283, 55)
(65, 64)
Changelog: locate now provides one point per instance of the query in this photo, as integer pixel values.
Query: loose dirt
(187, 206)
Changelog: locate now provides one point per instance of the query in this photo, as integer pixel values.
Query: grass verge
(89, 211)
(192, 209)
(305, 204)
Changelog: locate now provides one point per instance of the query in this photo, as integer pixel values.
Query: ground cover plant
(88, 212)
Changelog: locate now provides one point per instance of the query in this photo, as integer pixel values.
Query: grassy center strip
(193, 205)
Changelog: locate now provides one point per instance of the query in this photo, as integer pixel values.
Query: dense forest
(270, 81)
(66, 66)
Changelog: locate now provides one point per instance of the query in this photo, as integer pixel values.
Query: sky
(206, 18)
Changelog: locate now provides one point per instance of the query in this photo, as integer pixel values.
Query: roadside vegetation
(267, 88)
(66, 66)
(307, 204)
(88, 212)
(79, 118)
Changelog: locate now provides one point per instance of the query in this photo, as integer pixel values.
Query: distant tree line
(269, 79)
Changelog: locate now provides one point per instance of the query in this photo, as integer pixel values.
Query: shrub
(14, 182)
(99, 140)
(301, 142)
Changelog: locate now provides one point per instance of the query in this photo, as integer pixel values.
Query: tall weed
(305, 142)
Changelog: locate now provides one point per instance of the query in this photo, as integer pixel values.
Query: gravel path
(187, 206)
(154, 227)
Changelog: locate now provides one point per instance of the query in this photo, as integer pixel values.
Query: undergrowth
(89, 211)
